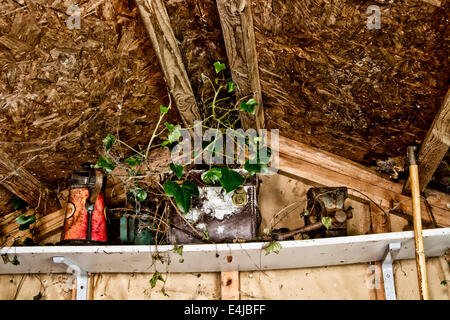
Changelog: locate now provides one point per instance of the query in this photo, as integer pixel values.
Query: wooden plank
(44, 226)
(298, 150)
(304, 162)
(230, 285)
(157, 24)
(434, 146)
(23, 184)
(380, 223)
(299, 168)
(214, 257)
(239, 36)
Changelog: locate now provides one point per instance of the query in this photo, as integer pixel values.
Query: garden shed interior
(347, 99)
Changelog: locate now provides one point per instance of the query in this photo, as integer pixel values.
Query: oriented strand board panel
(62, 91)
(330, 82)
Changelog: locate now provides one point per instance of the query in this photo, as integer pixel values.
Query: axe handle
(417, 220)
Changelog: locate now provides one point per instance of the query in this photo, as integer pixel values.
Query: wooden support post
(380, 224)
(434, 146)
(157, 23)
(230, 285)
(237, 28)
(23, 184)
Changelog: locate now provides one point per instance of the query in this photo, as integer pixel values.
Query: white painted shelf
(215, 257)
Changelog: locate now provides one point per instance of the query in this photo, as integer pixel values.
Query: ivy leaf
(109, 141)
(327, 222)
(163, 291)
(163, 109)
(175, 134)
(169, 126)
(212, 176)
(178, 249)
(25, 220)
(177, 169)
(230, 179)
(156, 276)
(272, 247)
(138, 193)
(182, 194)
(190, 187)
(181, 260)
(105, 163)
(255, 167)
(14, 261)
(18, 203)
(231, 86)
(249, 106)
(206, 232)
(444, 282)
(171, 188)
(133, 161)
(165, 143)
(38, 296)
(305, 213)
(219, 66)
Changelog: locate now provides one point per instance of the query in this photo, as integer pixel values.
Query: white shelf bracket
(80, 274)
(388, 274)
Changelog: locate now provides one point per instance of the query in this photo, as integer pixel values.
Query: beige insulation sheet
(277, 192)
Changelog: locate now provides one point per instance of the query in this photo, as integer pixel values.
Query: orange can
(85, 221)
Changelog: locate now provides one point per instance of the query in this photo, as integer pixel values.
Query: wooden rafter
(157, 24)
(304, 162)
(237, 28)
(23, 184)
(434, 146)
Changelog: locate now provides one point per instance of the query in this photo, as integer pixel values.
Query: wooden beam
(238, 32)
(230, 285)
(43, 227)
(434, 146)
(22, 183)
(301, 161)
(380, 222)
(157, 23)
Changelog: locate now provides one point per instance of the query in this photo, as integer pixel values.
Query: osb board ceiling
(62, 91)
(326, 79)
(330, 82)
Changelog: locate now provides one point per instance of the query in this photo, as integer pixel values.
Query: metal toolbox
(222, 217)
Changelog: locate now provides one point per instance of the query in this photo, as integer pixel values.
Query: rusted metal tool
(323, 202)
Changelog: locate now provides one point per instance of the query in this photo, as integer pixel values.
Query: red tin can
(85, 221)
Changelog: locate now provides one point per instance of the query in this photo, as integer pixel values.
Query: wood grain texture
(230, 285)
(157, 24)
(237, 28)
(23, 184)
(43, 227)
(380, 223)
(304, 162)
(434, 146)
(418, 236)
